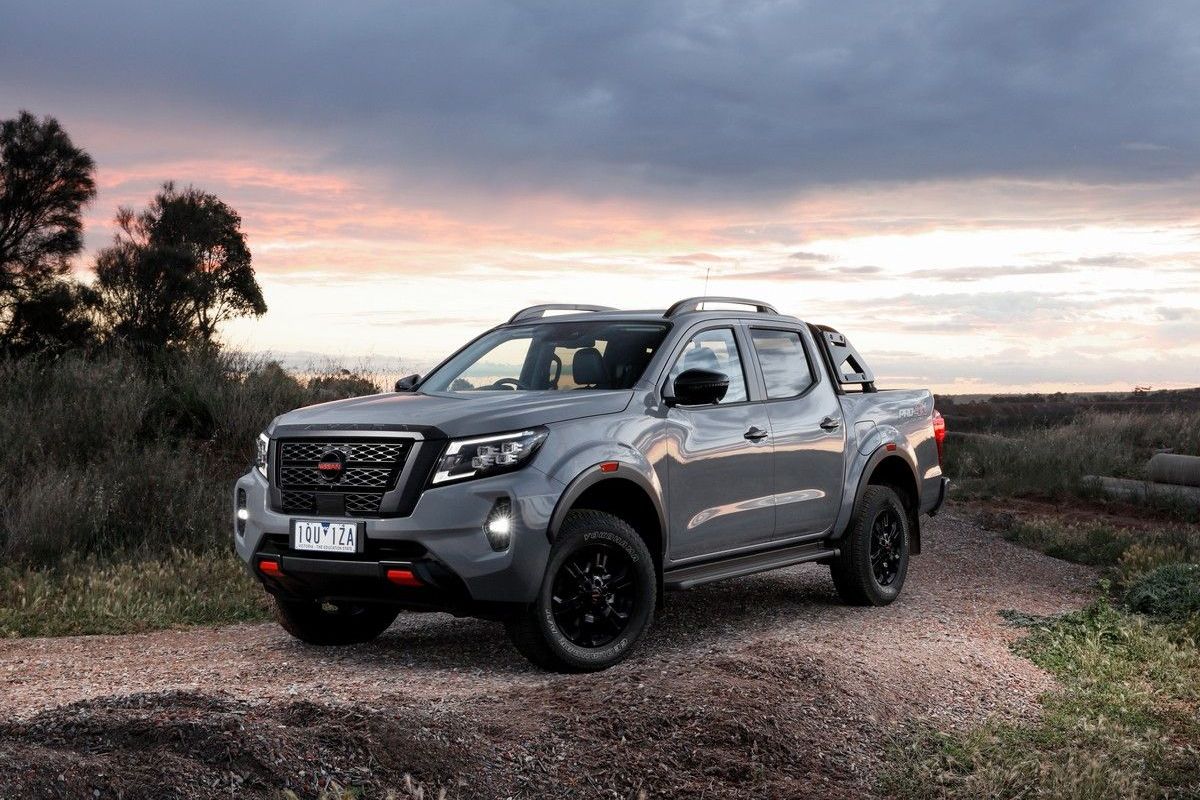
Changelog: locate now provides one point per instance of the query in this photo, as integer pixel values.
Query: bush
(122, 455)
(1170, 592)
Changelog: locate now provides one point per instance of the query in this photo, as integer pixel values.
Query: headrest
(587, 367)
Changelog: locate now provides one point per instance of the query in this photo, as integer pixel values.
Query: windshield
(552, 356)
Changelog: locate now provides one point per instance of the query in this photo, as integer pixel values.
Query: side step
(695, 574)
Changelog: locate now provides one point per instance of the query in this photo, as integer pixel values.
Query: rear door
(807, 430)
(720, 482)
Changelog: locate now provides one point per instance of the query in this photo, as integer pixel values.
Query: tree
(177, 270)
(45, 181)
(51, 318)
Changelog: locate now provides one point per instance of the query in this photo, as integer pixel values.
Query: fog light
(242, 514)
(498, 525)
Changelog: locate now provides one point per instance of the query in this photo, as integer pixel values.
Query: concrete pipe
(1175, 469)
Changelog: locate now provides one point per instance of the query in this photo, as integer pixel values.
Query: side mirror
(408, 383)
(699, 387)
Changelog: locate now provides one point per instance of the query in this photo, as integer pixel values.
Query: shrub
(123, 455)
(1143, 557)
(1170, 592)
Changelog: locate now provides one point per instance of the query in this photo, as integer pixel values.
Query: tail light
(939, 434)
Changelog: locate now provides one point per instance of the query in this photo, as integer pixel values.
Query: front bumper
(442, 541)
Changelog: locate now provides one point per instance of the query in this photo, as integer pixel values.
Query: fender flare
(592, 476)
(864, 480)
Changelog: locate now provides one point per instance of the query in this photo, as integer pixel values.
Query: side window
(715, 350)
(784, 365)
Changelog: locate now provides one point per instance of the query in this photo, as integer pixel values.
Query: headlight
(488, 455)
(260, 456)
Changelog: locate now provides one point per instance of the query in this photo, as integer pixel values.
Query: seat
(587, 368)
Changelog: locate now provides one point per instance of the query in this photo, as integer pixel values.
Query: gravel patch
(763, 686)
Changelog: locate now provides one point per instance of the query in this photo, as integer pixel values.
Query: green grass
(1125, 553)
(1124, 724)
(83, 596)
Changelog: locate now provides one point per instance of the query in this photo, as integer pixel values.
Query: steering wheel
(512, 384)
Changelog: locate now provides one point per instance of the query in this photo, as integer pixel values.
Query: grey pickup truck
(563, 470)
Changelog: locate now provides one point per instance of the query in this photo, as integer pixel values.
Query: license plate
(325, 536)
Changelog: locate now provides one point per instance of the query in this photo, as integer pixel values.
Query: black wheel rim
(593, 596)
(887, 546)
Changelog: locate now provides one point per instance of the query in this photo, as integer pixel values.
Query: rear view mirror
(408, 383)
(699, 387)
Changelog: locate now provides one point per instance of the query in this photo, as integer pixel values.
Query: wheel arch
(623, 492)
(890, 468)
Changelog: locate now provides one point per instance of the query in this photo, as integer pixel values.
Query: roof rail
(694, 303)
(537, 312)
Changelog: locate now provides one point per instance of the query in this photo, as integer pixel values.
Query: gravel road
(764, 685)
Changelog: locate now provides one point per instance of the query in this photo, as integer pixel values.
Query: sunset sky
(997, 196)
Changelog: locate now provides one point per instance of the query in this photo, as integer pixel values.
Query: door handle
(755, 434)
(831, 423)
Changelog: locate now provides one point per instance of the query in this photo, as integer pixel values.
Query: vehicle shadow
(716, 615)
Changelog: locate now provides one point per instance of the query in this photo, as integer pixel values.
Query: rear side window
(785, 367)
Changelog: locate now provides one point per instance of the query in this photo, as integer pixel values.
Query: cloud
(695, 258)
(804, 272)
(968, 274)
(673, 98)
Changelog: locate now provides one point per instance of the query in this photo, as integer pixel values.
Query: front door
(720, 465)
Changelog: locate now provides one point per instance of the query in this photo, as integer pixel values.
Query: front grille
(369, 470)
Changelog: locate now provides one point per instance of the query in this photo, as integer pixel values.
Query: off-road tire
(314, 623)
(535, 631)
(852, 571)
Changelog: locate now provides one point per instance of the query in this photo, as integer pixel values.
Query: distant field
(1007, 412)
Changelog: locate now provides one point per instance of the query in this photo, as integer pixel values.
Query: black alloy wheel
(887, 545)
(593, 595)
(872, 559)
(596, 600)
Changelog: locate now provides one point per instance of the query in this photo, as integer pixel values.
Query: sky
(984, 196)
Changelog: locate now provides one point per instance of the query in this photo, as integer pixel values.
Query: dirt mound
(189, 745)
(757, 723)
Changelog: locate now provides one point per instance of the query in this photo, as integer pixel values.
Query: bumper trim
(325, 566)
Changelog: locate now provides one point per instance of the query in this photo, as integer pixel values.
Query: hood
(455, 414)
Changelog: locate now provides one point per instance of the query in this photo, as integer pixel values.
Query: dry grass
(1051, 462)
(119, 456)
(81, 596)
(115, 478)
